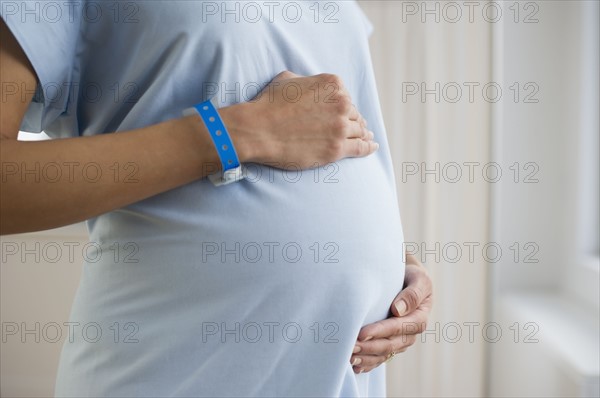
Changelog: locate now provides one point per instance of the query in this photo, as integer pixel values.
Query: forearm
(47, 184)
(54, 183)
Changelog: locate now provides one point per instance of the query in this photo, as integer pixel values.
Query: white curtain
(426, 133)
(440, 68)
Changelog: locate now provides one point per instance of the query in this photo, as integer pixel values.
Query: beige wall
(39, 274)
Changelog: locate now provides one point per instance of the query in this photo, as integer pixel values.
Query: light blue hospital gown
(257, 288)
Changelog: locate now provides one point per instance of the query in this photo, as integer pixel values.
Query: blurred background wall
(491, 110)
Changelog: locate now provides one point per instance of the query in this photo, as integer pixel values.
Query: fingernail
(368, 338)
(356, 349)
(371, 135)
(401, 307)
(356, 361)
(376, 146)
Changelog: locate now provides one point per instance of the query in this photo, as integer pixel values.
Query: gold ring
(390, 356)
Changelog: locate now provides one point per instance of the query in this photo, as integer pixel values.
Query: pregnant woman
(279, 284)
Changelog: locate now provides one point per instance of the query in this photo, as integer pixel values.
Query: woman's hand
(381, 340)
(299, 122)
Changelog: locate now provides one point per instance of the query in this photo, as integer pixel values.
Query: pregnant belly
(333, 229)
(277, 268)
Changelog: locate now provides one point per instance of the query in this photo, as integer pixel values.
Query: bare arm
(164, 155)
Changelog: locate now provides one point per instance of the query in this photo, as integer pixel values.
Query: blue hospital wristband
(231, 169)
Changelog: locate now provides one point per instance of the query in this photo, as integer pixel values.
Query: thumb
(407, 301)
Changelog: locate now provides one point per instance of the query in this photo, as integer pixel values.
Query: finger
(354, 115)
(356, 130)
(356, 147)
(414, 323)
(384, 346)
(366, 363)
(358, 369)
(361, 120)
(418, 288)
